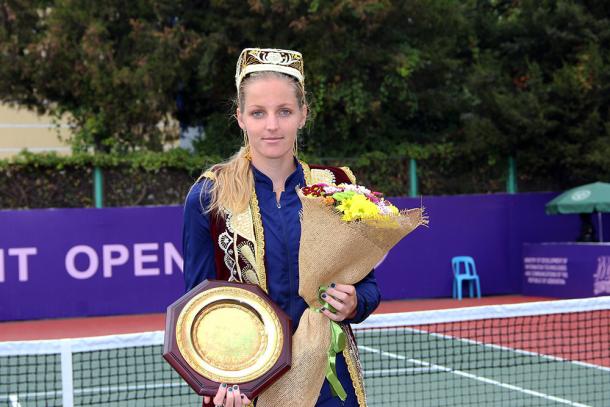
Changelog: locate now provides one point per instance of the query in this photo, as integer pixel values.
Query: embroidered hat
(269, 59)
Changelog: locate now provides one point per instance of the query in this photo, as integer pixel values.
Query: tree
(114, 67)
(380, 73)
(541, 85)
(458, 84)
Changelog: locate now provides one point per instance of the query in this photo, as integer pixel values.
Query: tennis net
(553, 353)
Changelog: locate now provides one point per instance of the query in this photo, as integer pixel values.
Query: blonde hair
(233, 181)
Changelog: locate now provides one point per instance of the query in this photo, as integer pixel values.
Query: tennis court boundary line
(473, 376)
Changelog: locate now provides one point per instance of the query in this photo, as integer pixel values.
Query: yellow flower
(358, 207)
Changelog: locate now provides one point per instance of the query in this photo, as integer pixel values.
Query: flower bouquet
(345, 231)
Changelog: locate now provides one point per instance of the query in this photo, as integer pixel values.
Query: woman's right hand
(228, 396)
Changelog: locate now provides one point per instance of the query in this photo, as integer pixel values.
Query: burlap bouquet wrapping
(331, 250)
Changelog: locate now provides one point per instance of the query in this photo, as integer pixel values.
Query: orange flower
(329, 201)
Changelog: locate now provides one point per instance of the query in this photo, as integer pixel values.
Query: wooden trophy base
(231, 333)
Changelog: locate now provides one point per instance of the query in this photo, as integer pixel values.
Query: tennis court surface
(554, 353)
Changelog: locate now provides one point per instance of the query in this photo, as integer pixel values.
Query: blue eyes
(257, 114)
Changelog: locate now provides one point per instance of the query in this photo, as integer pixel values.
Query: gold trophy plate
(229, 335)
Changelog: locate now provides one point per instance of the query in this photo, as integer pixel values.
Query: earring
(247, 155)
(295, 148)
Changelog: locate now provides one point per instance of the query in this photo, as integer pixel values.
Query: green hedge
(147, 178)
(49, 180)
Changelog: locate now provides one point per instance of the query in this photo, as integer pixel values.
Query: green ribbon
(337, 344)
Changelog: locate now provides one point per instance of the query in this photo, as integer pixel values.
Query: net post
(511, 180)
(413, 190)
(98, 187)
(67, 384)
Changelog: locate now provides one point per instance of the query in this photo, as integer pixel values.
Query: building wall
(23, 129)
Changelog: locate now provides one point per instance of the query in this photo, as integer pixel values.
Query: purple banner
(566, 270)
(490, 228)
(85, 262)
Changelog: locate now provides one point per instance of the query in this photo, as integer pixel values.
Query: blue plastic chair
(464, 270)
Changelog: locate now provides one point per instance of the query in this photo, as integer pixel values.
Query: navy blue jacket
(282, 230)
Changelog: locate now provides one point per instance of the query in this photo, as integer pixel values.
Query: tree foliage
(476, 80)
(114, 67)
(540, 84)
(378, 73)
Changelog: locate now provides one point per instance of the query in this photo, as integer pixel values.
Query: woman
(250, 202)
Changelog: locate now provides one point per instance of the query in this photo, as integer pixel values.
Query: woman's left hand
(343, 298)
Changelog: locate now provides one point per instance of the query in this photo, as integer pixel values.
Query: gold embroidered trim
(306, 172)
(210, 175)
(355, 372)
(311, 179)
(225, 243)
(259, 234)
(248, 255)
(320, 176)
(237, 277)
(242, 224)
(246, 252)
(349, 174)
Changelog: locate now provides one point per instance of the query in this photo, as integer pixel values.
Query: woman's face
(271, 116)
